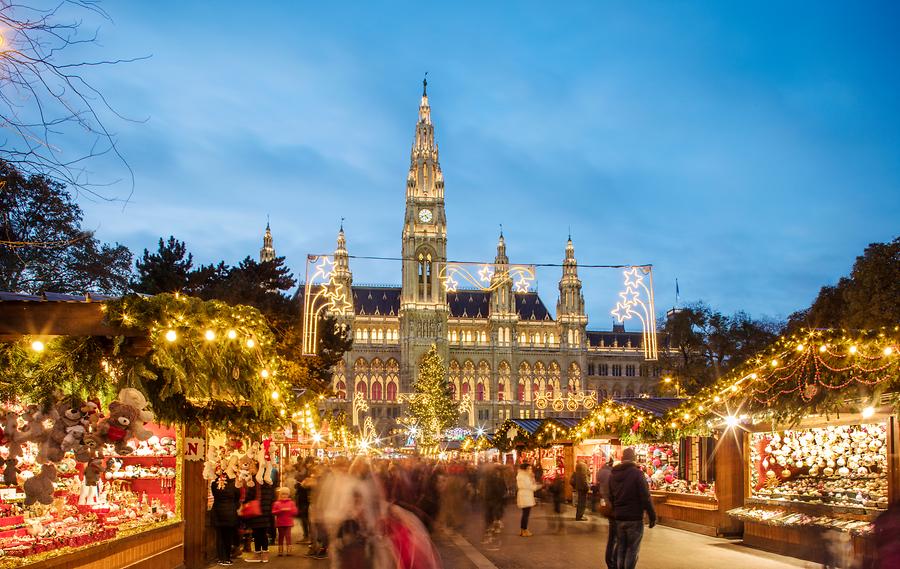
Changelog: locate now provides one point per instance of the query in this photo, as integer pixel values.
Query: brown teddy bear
(89, 449)
(39, 488)
(66, 416)
(13, 440)
(116, 429)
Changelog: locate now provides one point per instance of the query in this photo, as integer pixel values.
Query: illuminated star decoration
(450, 284)
(486, 273)
(637, 300)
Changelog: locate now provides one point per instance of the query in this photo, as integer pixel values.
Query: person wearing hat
(630, 497)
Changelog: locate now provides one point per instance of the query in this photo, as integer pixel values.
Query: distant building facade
(502, 347)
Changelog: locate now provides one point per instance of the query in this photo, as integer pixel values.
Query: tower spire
(425, 85)
(267, 252)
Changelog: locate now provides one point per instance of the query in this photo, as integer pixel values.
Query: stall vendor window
(835, 465)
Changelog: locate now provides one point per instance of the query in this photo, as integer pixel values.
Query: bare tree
(54, 120)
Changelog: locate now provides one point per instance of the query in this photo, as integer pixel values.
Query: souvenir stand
(545, 442)
(95, 476)
(684, 486)
(817, 416)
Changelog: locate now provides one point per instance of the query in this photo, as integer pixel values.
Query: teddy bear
(39, 488)
(72, 440)
(90, 447)
(246, 466)
(134, 398)
(92, 472)
(66, 416)
(266, 467)
(116, 429)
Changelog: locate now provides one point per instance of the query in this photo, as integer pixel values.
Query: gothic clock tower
(423, 301)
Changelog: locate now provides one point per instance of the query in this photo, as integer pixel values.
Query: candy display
(779, 517)
(843, 465)
(74, 475)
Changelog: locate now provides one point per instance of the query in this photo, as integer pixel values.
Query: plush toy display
(246, 466)
(134, 398)
(13, 441)
(40, 488)
(116, 428)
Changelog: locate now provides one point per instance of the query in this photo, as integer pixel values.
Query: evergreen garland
(433, 408)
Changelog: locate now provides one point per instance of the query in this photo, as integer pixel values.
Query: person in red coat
(284, 509)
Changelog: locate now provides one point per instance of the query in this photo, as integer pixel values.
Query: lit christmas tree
(433, 407)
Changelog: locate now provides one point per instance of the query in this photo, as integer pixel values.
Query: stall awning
(657, 406)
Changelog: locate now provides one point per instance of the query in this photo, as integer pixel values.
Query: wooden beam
(49, 318)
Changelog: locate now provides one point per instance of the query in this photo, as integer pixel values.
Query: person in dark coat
(226, 497)
(260, 525)
(603, 478)
(630, 496)
(301, 498)
(581, 486)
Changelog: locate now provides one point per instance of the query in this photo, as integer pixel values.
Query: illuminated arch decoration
(322, 294)
(571, 401)
(637, 301)
(486, 276)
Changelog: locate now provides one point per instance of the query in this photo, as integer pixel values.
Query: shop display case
(814, 483)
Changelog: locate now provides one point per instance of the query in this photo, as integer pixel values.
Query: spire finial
(267, 221)
(425, 85)
(570, 233)
(501, 230)
(342, 224)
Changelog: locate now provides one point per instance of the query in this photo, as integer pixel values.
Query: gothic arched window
(503, 383)
(574, 377)
(454, 377)
(376, 391)
(361, 390)
(340, 379)
(554, 377)
(524, 380)
(468, 378)
(392, 378)
(540, 377)
(484, 380)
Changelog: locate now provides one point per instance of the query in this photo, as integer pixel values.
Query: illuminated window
(454, 377)
(376, 391)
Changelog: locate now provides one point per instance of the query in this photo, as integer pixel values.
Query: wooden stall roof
(657, 406)
(55, 314)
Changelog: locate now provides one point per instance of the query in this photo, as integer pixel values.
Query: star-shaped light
(486, 273)
(621, 312)
(629, 296)
(323, 269)
(633, 277)
(521, 283)
(450, 284)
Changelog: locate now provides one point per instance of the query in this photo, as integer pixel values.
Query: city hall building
(503, 347)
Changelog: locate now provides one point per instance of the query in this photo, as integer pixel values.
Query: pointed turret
(425, 177)
(570, 307)
(267, 253)
(503, 302)
(342, 272)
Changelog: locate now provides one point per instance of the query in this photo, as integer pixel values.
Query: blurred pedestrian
(606, 510)
(493, 489)
(525, 488)
(630, 497)
(261, 524)
(581, 487)
(558, 495)
(887, 543)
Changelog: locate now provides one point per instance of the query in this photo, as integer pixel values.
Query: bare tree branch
(47, 105)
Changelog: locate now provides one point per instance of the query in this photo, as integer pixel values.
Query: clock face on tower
(425, 215)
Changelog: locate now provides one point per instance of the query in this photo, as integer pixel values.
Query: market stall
(105, 405)
(680, 469)
(817, 418)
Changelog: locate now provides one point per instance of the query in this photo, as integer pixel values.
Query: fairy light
(171, 335)
(888, 351)
(38, 346)
(823, 348)
(853, 350)
(774, 363)
(800, 347)
(317, 438)
(731, 421)
(868, 412)
(264, 373)
(716, 399)
(275, 395)
(251, 342)
(232, 334)
(209, 335)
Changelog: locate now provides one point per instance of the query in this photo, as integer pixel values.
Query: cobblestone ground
(576, 545)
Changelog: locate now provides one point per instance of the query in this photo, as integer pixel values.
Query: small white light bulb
(868, 412)
(38, 346)
(209, 335)
(171, 336)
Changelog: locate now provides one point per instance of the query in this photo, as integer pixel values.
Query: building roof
(385, 301)
(530, 426)
(610, 339)
(657, 406)
(53, 297)
(373, 300)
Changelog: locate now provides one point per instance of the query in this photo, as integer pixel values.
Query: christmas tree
(433, 407)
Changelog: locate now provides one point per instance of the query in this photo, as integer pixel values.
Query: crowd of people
(376, 513)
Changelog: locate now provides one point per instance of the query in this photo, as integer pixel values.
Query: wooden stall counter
(158, 548)
(698, 513)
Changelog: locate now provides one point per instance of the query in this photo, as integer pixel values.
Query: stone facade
(502, 347)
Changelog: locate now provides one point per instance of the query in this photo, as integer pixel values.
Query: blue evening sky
(750, 151)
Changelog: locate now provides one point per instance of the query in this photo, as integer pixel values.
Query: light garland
(807, 373)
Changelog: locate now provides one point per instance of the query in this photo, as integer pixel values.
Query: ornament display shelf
(159, 487)
(815, 509)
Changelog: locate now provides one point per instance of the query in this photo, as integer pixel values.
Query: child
(284, 511)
